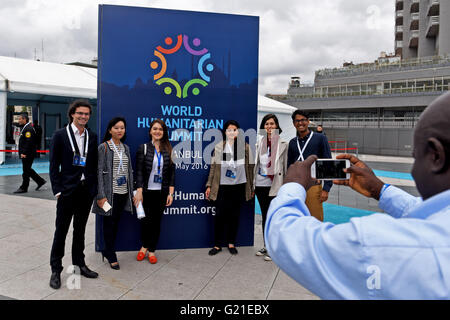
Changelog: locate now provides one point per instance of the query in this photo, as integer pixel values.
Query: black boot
(55, 280)
(85, 271)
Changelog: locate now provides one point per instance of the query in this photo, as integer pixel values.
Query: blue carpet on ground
(392, 174)
(14, 170)
(333, 213)
(340, 214)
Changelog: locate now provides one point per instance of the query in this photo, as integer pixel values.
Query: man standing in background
(27, 152)
(307, 143)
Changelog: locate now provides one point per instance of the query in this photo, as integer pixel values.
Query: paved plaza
(26, 233)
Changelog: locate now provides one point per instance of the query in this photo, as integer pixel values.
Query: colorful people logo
(159, 77)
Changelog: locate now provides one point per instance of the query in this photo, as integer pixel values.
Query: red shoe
(141, 255)
(152, 259)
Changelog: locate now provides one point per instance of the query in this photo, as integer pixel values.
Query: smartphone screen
(330, 169)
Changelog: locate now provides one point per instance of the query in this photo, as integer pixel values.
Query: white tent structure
(45, 78)
(49, 87)
(283, 113)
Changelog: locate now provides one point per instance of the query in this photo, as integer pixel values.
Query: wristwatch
(171, 194)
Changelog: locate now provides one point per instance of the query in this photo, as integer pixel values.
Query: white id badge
(106, 207)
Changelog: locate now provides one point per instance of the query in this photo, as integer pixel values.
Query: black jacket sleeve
(56, 146)
(292, 152)
(140, 167)
(172, 172)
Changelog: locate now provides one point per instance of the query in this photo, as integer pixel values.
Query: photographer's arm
(393, 201)
(322, 257)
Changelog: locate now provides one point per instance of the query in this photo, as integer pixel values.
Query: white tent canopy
(269, 105)
(45, 78)
(28, 78)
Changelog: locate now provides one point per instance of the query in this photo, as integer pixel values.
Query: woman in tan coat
(230, 183)
(270, 167)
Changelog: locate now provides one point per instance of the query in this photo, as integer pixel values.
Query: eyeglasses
(304, 120)
(82, 113)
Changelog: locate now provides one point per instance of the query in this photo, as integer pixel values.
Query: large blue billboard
(195, 71)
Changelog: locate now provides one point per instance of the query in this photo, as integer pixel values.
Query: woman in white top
(270, 167)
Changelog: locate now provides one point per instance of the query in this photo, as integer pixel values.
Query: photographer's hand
(362, 178)
(300, 172)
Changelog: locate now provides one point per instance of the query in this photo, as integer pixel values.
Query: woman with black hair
(230, 182)
(270, 167)
(155, 183)
(115, 185)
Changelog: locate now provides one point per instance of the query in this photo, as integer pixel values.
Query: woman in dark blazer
(115, 184)
(155, 183)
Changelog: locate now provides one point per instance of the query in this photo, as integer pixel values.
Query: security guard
(27, 151)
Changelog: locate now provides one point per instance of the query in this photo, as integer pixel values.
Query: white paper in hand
(139, 209)
(106, 206)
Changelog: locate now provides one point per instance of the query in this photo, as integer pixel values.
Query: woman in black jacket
(155, 180)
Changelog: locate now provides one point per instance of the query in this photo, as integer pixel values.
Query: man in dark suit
(27, 152)
(73, 174)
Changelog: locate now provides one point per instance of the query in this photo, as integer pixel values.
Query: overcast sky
(297, 37)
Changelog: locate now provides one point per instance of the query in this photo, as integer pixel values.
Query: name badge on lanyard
(158, 178)
(300, 157)
(231, 173)
(121, 180)
(264, 161)
(79, 160)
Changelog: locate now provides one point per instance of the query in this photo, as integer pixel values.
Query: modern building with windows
(375, 106)
(421, 28)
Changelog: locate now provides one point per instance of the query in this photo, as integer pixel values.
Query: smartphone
(330, 169)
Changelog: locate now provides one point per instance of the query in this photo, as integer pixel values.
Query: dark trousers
(226, 219)
(264, 202)
(28, 173)
(111, 226)
(154, 204)
(77, 205)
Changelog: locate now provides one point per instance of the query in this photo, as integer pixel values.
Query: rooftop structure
(422, 28)
(354, 102)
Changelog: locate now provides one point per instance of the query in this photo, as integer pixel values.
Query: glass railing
(434, 20)
(405, 64)
(366, 122)
(390, 91)
(414, 34)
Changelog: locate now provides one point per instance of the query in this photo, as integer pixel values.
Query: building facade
(375, 106)
(422, 28)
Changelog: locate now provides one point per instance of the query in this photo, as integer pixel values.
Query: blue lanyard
(159, 155)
